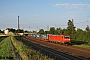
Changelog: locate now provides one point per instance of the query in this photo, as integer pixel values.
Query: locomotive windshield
(66, 36)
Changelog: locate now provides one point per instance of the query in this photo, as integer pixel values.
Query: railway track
(77, 51)
(57, 55)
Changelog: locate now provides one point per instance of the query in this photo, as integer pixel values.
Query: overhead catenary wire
(79, 23)
(82, 22)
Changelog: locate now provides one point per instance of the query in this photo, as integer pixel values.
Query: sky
(37, 14)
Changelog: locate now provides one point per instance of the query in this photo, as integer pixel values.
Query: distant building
(6, 31)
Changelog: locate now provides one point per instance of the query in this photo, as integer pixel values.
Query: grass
(83, 46)
(2, 38)
(27, 53)
(88, 41)
(79, 43)
(5, 49)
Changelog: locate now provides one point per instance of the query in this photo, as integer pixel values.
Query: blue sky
(36, 14)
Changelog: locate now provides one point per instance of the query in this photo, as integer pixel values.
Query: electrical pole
(72, 30)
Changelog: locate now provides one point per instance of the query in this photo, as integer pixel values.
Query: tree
(41, 31)
(80, 34)
(70, 23)
(87, 28)
(65, 31)
(19, 31)
(58, 31)
(11, 30)
(71, 28)
(0, 31)
(34, 31)
(46, 32)
(52, 30)
(87, 32)
(26, 31)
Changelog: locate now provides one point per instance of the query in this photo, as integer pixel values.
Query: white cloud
(68, 5)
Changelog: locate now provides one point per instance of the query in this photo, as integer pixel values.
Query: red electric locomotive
(59, 38)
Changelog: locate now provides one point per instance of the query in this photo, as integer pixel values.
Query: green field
(5, 49)
(2, 38)
(83, 46)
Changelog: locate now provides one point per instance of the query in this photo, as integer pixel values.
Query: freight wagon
(59, 38)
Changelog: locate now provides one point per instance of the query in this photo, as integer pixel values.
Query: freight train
(63, 39)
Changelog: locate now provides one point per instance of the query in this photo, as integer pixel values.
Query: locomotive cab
(66, 39)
